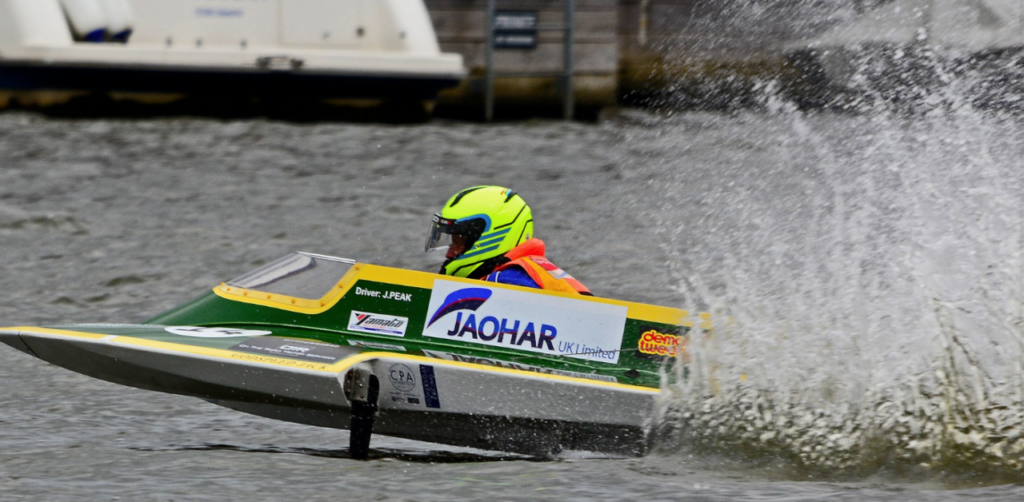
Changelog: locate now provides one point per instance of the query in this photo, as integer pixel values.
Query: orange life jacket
(529, 256)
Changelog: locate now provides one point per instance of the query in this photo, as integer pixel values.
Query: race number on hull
(206, 332)
(517, 320)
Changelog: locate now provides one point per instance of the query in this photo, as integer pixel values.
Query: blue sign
(430, 396)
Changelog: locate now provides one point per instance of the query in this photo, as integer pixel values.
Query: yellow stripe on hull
(336, 368)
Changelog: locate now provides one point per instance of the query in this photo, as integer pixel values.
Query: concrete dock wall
(633, 51)
(713, 52)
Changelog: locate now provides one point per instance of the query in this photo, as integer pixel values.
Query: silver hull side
(460, 404)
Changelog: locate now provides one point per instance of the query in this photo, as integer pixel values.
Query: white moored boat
(87, 19)
(309, 49)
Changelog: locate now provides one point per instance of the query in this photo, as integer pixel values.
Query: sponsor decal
(202, 332)
(306, 350)
(376, 345)
(655, 343)
(404, 398)
(462, 358)
(279, 362)
(525, 321)
(378, 324)
(430, 396)
(401, 377)
(208, 12)
(384, 295)
(462, 299)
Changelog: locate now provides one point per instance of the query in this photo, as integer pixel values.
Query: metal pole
(641, 32)
(489, 57)
(569, 103)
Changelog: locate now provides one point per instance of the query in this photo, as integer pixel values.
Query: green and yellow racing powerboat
(330, 342)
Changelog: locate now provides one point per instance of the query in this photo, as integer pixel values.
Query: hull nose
(12, 337)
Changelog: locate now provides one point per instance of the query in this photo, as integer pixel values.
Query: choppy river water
(864, 270)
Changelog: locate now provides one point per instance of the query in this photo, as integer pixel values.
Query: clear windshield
(301, 275)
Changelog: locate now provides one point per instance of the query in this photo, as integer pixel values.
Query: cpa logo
(401, 377)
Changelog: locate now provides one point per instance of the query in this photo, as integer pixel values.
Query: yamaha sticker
(531, 322)
(378, 324)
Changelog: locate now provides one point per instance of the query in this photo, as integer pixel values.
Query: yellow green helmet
(489, 220)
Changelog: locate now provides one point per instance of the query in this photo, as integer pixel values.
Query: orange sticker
(655, 343)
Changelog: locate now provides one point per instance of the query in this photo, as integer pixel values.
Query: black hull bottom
(257, 84)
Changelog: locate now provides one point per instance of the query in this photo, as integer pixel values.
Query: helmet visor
(440, 236)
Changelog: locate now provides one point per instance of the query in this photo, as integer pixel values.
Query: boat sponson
(200, 377)
(472, 405)
(13, 338)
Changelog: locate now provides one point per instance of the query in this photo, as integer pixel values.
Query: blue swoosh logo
(463, 299)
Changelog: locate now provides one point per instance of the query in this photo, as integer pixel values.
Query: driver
(487, 232)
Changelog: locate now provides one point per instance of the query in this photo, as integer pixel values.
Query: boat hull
(421, 398)
(233, 82)
(330, 342)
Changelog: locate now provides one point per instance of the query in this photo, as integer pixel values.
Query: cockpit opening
(300, 275)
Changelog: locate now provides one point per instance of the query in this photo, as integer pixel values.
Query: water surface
(865, 270)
